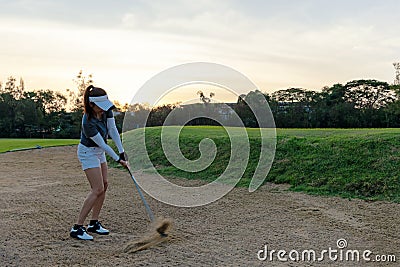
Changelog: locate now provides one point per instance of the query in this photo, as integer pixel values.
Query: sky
(276, 44)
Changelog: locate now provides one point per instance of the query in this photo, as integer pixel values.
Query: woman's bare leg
(95, 177)
(100, 200)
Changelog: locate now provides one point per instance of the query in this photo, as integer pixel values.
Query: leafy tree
(10, 95)
(369, 94)
(256, 99)
(138, 114)
(205, 99)
(158, 115)
(76, 97)
(294, 107)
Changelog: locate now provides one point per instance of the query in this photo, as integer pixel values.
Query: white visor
(102, 102)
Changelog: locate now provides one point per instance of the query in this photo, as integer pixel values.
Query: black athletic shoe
(80, 233)
(97, 228)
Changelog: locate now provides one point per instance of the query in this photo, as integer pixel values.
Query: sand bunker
(41, 193)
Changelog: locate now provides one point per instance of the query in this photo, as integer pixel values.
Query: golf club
(163, 225)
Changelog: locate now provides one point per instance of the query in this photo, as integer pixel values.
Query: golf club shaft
(149, 212)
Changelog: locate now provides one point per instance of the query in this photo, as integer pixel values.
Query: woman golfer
(97, 123)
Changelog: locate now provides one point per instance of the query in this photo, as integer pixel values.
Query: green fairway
(336, 132)
(361, 163)
(16, 144)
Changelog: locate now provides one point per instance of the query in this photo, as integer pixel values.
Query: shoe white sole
(84, 236)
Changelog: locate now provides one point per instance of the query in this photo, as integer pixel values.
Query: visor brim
(104, 105)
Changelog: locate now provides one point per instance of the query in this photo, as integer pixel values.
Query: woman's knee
(98, 191)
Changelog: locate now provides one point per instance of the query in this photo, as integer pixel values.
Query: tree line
(40, 113)
(356, 104)
(51, 114)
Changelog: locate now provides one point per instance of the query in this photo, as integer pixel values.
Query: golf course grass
(361, 163)
(7, 144)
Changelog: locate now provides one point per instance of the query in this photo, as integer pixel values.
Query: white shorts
(90, 157)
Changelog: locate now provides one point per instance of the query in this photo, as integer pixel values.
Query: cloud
(276, 43)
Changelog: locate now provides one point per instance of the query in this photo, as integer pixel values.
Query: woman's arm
(100, 142)
(113, 132)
